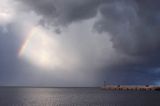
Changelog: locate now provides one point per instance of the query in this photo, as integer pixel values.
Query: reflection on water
(76, 97)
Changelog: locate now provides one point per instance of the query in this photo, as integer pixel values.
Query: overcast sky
(79, 42)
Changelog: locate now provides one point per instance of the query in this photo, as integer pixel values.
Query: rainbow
(26, 42)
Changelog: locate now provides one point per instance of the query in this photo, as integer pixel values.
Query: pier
(134, 88)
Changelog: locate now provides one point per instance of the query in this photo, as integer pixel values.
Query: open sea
(14, 96)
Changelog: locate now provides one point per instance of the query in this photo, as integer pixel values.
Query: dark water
(76, 97)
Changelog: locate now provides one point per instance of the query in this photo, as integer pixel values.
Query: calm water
(76, 97)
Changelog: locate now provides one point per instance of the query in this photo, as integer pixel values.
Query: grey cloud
(133, 26)
(65, 11)
(9, 46)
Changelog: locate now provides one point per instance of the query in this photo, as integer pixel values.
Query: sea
(23, 96)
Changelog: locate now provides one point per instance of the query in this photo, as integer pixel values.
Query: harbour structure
(131, 87)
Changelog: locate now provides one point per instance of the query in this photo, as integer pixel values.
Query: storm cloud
(133, 25)
(113, 40)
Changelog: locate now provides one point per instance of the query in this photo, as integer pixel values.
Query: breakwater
(135, 88)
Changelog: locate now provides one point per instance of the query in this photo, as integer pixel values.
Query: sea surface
(14, 96)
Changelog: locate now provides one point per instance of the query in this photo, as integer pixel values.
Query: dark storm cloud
(133, 26)
(65, 11)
